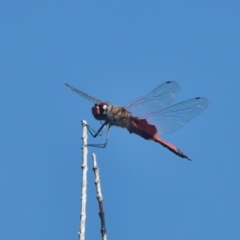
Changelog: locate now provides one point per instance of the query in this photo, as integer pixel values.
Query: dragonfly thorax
(101, 111)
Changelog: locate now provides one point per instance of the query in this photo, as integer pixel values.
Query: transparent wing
(176, 116)
(84, 95)
(159, 98)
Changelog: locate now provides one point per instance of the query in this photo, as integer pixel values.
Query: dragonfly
(148, 116)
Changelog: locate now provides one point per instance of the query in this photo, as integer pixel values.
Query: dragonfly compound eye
(100, 111)
(95, 110)
(103, 109)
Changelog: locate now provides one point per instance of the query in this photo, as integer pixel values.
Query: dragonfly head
(101, 111)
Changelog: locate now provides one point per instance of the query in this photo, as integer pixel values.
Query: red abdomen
(142, 128)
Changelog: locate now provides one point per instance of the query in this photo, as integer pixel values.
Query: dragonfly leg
(101, 145)
(99, 132)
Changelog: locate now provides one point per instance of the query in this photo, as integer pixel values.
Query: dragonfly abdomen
(142, 128)
(170, 147)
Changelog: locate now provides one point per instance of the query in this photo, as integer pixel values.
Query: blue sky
(116, 51)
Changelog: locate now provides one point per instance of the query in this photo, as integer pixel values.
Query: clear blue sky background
(116, 51)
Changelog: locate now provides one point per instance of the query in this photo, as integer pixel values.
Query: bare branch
(99, 197)
(81, 232)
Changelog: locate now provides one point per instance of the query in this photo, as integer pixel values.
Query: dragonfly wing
(84, 95)
(159, 98)
(174, 117)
